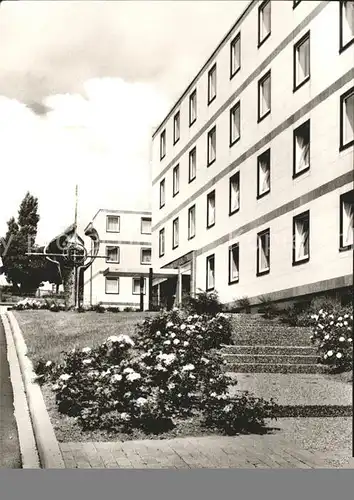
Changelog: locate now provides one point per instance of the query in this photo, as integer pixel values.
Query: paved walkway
(190, 453)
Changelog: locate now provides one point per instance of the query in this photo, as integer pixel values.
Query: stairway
(267, 346)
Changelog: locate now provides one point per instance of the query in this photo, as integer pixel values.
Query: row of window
(301, 67)
(112, 286)
(113, 224)
(300, 228)
(113, 255)
(301, 244)
(301, 152)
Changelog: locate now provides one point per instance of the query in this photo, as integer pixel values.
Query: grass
(48, 334)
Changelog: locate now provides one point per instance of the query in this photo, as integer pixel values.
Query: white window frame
(142, 250)
(111, 279)
(144, 220)
(110, 217)
(301, 238)
(134, 280)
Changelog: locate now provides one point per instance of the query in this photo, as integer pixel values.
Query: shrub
(268, 308)
(244, 304)
(203, 303)
(296, 316)
(332, 334)
(170, 373)
(99, 308)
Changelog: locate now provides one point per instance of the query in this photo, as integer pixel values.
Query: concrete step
(275, 368)
(277, 359)
(269, 349)
(272, 339)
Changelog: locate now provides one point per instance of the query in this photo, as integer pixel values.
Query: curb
(28, 448)
(47, 444)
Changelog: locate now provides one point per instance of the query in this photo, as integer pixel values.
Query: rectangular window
(175, 179)
(211, 209)
(264, 22)
(211, 146)
(346, 218)
(235, 123)
(302, 61)
(346, 24)
(112, 285)
(212, 84)
(113, 224)
(210, 273)
(347, 119)
(192, 107)
(162, 193)
(163, 145)
(235, 55)
(192, 171)
(191, 222)
(176, 127)
(264, 96)
(263, 174)
(112, 254)
(145, 256)
(136, 286)
(146, 225)
(301, 238)
(234, 195)
(175, 233)
(301, 149)
(234, 263)
(263, 252)
(162, 242)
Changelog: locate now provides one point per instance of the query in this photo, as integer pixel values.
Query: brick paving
(251, 451)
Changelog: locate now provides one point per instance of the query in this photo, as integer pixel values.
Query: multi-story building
(125, 244)
(253, 166)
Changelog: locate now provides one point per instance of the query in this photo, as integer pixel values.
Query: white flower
(49, 363)
(183, 327)
(167, 342)
(172, 335)
(169, 324)
(326, 337)
(133, 376)
(346, 316)
(87, 361)
(339, 355)
(345, 323)
(331, 323)
(341, 339)
(350, 340)
(227, 408)
(340, 318)
(124, 416)
(171, 385)
(86, 349)
(330, 353)
(159, 367)
(122, 339)
(204, 360)
(186, 343)
(325, 356)
(320, 326)
(162, 391)
(331, 316)
(116, 378)
(213, 394)
(167, 358)
(320, 311)
(187, 368)
(128, 370)
(315, 317)
(158, 333)
(141, 401)
(65, 376)
(176, 341)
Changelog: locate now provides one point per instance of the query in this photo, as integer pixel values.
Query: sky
(82, 86)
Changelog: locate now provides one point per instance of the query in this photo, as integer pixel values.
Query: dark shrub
(203, 303)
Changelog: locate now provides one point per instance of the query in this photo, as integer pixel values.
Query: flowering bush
(26, 304)
(203, 303)
(332, 333)
(170, 373)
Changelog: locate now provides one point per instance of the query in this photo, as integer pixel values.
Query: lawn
(47, 334)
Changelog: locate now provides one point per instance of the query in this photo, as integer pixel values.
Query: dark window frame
(260, 9)
(208, 226)
(231, 248)
(176, 118)
(237, 176)
(259, 236)
(189, 226)
(211, 131)
(302, 215)
(211, 70)
(112, 261)
(110, 230)
(144, 289)
(174, 191)
(295, 62)
(190, 154)
(141, 256)
(174, 245)
(350, 195)
(343, 97)
(162, 233)
(110, 278)
(304, 170)
(232, 110)
(192, 95)
(233, 42)
(163, 183)
(296, 3)
(163, 138)
(260, 82)
(141, 224)
(342, 47)
(208, 259)
(259, 158)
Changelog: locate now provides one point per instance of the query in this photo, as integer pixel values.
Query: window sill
(113, 232)
(235, 73)
(343, 147)
(233, 282)
(112, 262)
(262, 195)
(234, 211)
(345, 249)
(211, 225)
(145, 233)
(210, 289)
(145, 263)
(263, 273)
(209, 164)
(162, 255)
(191, 180)
(191, 237)
(261, 42)
(161, 206)
(211, 100)
(135, 293)
(175, 194)
(235, 141)
(174, 248)
(191, 123)
(175, 141)
(301, 84)
(162, 157)
(298, 174)
(302, 261)
(111, 293)
(342, 48)
(260, 118)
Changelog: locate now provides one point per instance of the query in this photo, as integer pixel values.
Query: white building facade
(253, 166)
(114, 279)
